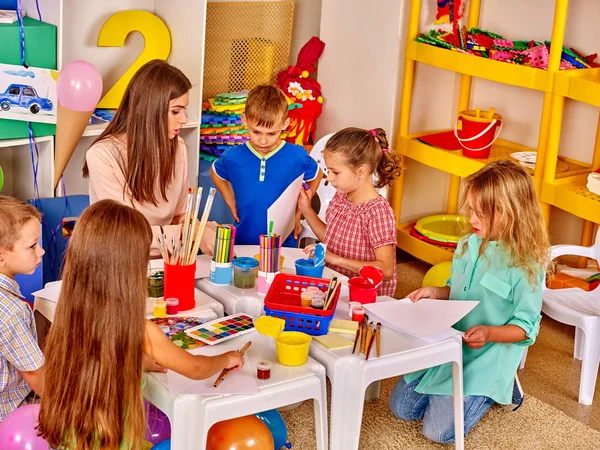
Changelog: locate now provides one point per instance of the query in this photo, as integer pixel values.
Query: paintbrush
(378, 339)
(356, 339)
(368, 352)
(329, 301)
(226, 372)
(198, 237)
(367, 337)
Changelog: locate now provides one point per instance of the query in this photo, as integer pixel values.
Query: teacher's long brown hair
(142, 118)
(93, 370)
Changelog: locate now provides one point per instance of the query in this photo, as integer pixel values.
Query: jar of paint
(351, 306)
(160, 308)
(263, 370)
(306, 299)
(358, 314)
(244, 272)
(156, 283)
(317, 303)
(172, 306)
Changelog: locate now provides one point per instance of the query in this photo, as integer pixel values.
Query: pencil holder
(264, 281)
(221, 273)
(179, 283)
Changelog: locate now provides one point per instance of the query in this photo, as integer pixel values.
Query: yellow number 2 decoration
(115, 30)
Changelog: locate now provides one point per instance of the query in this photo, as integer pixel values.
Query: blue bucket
(306, 267)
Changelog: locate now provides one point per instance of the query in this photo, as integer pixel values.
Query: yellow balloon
(438, 275)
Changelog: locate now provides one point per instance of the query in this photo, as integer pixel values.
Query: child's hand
(477, 336)
(310, 250)
(304, 200)
(235, 360)
(233, 209)
(426, 292)
(297, 228)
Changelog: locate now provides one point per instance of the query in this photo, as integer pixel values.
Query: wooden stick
(378, 338)
(207, 208)
(186, 220)
(194, 219)
(226, 372)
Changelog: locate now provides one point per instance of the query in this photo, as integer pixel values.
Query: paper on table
(421, 319)
(283, 210)
(50, 292)
(202, 266)
(239, 382)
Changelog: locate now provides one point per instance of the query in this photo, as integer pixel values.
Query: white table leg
(373, 391)
(320, 408)
(459, 404)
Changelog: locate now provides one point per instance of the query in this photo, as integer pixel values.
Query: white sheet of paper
(421, 319)
(240, 382)
(282, 211)
(202, 265)
(50, 292)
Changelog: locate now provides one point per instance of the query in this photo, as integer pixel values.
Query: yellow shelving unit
(469, 66)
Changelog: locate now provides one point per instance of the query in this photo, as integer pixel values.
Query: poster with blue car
(28, 94)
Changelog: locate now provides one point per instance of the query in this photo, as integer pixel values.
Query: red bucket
(180, 284)
(362, 291)
(476, 131)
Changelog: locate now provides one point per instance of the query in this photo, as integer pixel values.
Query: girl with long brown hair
(501, 263)
(94, 352)
(139, 159)
(361, 225)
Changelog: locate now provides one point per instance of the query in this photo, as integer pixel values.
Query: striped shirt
(19, 349)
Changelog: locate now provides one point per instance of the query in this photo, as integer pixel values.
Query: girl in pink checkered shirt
(361, 225)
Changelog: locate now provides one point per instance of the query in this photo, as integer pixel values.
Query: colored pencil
(226, 372)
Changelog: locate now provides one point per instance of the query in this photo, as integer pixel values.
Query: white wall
(362, 68)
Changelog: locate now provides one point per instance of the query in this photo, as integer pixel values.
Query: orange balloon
(243, 433)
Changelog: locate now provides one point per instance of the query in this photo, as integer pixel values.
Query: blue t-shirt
(258, 181)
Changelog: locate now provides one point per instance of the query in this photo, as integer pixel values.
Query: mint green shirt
(506, 297)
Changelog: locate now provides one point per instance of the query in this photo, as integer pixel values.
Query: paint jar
(358, 314)
(164, 329)
(317, 303)
(351, 306)
(221, 273)
(306, 299)
(315, 290)
(264, 281)
(362, 291)
(160, 308)
(179, 283)
(172, 306)
(263, 370)
(306, 268)
(244, 272)
(156, 283)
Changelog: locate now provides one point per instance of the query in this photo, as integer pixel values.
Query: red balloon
(243, 433)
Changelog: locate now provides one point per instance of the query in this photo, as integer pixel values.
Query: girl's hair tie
(374, 133)
(385, 150)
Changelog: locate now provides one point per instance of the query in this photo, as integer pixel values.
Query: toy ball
(17, 430)
(438, 275)
(158, 426)
(320, 99)
(305, 74)
(273, 420)
(243, 433)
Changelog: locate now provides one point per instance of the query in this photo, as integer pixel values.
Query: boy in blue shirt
(21, 360)
(251, 176)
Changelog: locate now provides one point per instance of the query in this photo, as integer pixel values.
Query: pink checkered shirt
(354, 231)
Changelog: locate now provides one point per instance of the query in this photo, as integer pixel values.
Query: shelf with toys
(581, 85)
(481, 54)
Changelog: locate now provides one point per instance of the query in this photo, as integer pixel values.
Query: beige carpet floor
(536, 425)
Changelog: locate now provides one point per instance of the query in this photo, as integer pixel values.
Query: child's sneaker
(518, 396)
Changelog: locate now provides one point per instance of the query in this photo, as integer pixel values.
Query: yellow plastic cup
(292, 346)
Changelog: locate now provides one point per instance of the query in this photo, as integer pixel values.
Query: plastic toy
(449, 11)
(17, 431)
(438, 275)
(243, 433)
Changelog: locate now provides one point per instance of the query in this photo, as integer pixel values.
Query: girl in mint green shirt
(502, 264)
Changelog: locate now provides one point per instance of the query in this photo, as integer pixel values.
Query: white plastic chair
(564, 305)
(325, 191)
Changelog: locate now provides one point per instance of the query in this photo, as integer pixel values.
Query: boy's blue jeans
(437, 411)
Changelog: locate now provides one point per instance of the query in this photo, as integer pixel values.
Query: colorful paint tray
(446, 227)
(177, 328)
(221, 330)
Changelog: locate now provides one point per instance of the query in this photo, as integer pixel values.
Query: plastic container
(317, 303)
(156, 283)
(351, 306)
(172, 306)
(306, 299)
(160, 308)
(476, 131)
(264, 281)
(263, 370)
(245, 271)
(358, 314)
(221, 273)
(362, 291)
(306, 268)
(179, 283)
(292, 348)
(283, 301)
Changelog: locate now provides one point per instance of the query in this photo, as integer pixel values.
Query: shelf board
(24, 141)
(453, 161)
(430, 253)
(97, 129)
(498, 71)
(582, 85)
(571, 195)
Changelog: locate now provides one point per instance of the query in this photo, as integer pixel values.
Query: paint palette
(221, 330)
(178, 326)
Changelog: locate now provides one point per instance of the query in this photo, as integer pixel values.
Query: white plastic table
(350, 375)
(192, 415)
(249, 301)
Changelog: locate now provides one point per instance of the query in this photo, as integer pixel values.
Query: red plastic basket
(284, 294)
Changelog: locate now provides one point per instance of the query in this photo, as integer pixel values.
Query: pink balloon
(79, 86)
(17, 430)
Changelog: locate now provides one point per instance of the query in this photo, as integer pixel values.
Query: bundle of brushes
(184, 247)
(366, 333)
